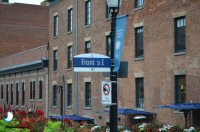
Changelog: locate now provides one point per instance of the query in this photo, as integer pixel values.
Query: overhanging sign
(92, 63)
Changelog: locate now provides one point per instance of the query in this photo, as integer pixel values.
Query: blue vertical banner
(119, 40)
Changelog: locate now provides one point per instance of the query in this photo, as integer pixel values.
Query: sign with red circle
(106, 89)
(106, 93)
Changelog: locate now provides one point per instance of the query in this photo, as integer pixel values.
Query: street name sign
(106, 92)
(92, 63)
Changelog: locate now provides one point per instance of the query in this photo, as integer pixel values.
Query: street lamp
(113, 5)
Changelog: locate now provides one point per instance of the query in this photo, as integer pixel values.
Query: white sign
(92, 62)
(106, 93)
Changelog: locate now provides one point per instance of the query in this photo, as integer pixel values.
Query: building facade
(23, 56)
(161, 47)
(24, 79)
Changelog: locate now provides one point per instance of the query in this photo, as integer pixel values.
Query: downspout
(77, 99)
(47, 90)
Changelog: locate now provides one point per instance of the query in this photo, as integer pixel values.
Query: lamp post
(113, 5)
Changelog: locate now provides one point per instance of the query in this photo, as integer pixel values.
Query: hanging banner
(119, 40)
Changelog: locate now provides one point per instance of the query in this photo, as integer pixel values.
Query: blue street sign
(92, 63)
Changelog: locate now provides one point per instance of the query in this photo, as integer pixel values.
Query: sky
(36, 2)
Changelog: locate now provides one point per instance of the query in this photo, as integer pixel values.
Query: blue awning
(185, 106)
(72, 117)
(124, 111)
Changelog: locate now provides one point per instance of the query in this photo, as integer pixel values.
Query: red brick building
(161, 47)
(24, 79)
(24, 55)
(22, 27)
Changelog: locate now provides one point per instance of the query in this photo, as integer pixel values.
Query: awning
(72, 117)
(185, 108)
(124, 111)
(182, 107)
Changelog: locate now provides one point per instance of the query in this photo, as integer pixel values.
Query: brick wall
(22, 27)
(24, 57)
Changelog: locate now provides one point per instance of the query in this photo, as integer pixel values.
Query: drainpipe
(77, 99)
(47, 90)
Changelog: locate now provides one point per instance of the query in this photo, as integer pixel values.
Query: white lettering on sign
(100, 62)
(87, 62)
(93, 62)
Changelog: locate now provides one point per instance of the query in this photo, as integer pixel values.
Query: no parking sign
(106, 93)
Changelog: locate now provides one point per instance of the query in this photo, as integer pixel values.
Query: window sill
(40, 100)
(70, 69)
(69, 107)
(179, 53)
(32, 100)
(55, 71)
(87, 26)
(55, 37)
(69, 32)
(139, 59)
(55, 107)
(138, 8)
(88, 108)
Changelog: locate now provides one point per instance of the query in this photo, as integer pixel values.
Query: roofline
(39, 64)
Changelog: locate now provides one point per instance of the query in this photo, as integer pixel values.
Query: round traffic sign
(106, 89)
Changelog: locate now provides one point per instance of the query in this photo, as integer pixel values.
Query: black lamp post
(113, 5)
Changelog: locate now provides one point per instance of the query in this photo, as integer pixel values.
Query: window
(69, 57)
(2, 93)
(55, 32)
(139, 3)
(7, 93)
(139, 46)
(23, 93)
(69, 95)
(88, 12)
(88, 94)
(108, 45)
(139, 92)
(55, 60)
(40, 89)
(70, 20)
(87, 47)
(17, 93)
(54, 95)
(32, 90)
(180, 35)
(108, 13)
(180, 89)
(11, 94)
